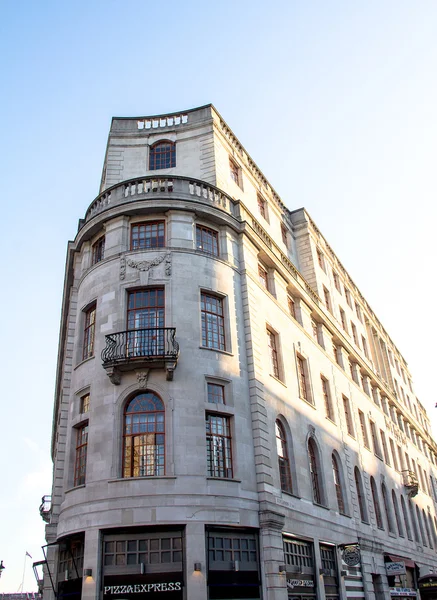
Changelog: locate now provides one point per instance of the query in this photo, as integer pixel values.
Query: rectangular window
(81, 452)
(85, 403)
(263, 277)
(348, 296)
(348, 416)
(262, 207)
(284, 235)
(273, 353)
(235, 173)
(98, 250)
(336, 281)
(216, 393)
(384, 447)
(364, 344)
(213, 325)
(145, 320)
(375, 442)
(299, 554)
(218, 446)
(302, 373)
(89, 331)
(355, 334)
(358, 311)
(343, 319)
(327, 299)
(157, 548)
(327, 398)
(207, 240)
(315, 330)
(291, 306)
(321, 260)
(147, 235)
(375, 396)
(393, 453)
(336, 353)
(363, 429)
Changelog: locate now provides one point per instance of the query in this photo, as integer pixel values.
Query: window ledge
(307, 402)
(145, 478)
(331, 421)
(76, 487)
(223, 479)
(216, 350)
(351, 435)
(321, 505)
(278, 380)
(82, 362)
(343, 514)
(291, 495)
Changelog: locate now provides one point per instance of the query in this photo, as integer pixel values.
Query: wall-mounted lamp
(87, 572)
(236, 565)
(343, 573)
(282, 568)
(197, 566)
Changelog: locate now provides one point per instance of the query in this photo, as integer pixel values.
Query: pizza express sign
(165, 586)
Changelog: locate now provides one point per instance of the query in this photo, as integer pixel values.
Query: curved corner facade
(231, 419)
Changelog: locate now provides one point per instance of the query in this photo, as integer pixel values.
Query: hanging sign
(351, 555)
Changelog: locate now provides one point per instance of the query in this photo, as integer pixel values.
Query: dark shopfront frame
(233, 564)
(143, 564)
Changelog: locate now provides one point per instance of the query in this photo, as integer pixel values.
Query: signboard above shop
(395, 568)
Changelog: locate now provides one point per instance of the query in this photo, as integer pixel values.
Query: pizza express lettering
(143, 588)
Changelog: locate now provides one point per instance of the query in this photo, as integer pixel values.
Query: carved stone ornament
(312, 430)
(145, 265)
(142, 377)
(114, 375)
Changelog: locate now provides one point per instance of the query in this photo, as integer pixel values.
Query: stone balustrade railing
(151, 186)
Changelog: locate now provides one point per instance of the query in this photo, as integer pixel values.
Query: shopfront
(145, 564)
(300, 570)
(401, 577)
(70, 568)
(233, 564)
(428, 587)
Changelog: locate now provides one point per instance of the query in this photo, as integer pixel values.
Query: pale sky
(336, 102)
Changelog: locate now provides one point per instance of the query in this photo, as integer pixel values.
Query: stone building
(231, 419)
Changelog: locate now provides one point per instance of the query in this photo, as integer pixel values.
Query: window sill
(351, 435)
(85, 360)
(331, 420)
(278, 380)
(223, 479)
(290, 494)
(345, 515)
(216, 350)
(307, 402)
(321, 505)
(145, 478)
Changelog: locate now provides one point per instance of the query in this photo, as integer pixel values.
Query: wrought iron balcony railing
(45, 508)
(153, 347)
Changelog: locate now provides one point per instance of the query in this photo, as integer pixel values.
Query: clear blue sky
(336, 102)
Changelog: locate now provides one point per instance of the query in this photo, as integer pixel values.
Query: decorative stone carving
(170, 366)
(122, 267)
(114, 375)
(142, 377)
(145, 265)
(312, 431)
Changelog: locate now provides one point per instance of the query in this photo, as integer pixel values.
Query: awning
(408, 562)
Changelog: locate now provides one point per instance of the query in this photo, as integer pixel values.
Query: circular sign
(351, 556)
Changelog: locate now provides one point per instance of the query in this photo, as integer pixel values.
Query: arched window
(427, 529)
(313, 456)
(144, 436)
(376, 506)
(397, 515)
(419, 520)
(360, 494)
(407, 523)
(283, 460)
(388, 515)
(337, 484)
(162, 156)
(413, 520)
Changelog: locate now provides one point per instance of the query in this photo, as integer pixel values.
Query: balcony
(411, 482)
(151, 348)
(45, 508)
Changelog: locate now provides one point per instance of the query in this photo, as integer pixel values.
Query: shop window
(207, 240)
(218, 446)
(145, 236)
(162, 156)
(144, 436)
(328, 555)
(154, 549)
(283, 458)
